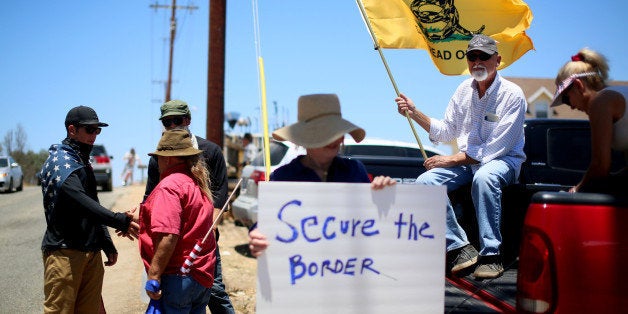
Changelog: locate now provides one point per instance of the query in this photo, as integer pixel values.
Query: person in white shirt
(130, 159)
(485, 116)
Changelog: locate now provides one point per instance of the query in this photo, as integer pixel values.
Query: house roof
(531, 85)
(541, 91)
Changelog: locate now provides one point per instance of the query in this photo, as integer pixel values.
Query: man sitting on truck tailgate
(485, 115)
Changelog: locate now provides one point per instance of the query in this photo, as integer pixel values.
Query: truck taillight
(258, 176)
(101, 159)
(535, 279)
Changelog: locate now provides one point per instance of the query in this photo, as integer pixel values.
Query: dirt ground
(123, 289)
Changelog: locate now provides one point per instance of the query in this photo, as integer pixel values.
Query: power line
(173, 31)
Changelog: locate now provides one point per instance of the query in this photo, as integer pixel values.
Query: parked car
(382, 147)
(244, 207)
(11, 176)
(101, 163)
(400, 160)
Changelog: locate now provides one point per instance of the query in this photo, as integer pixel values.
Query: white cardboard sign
(345, 248)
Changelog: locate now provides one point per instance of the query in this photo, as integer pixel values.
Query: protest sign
(345, 248)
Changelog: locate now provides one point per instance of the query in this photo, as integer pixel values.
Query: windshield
(98, 150)
(4, 162)
(383, 150)
(277, 151)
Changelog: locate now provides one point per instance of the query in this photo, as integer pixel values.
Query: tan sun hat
(319, 123)
(175, 143)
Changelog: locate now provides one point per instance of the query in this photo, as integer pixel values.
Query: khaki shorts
(72, 281)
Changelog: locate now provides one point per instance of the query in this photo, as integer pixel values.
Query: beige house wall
(539, 93)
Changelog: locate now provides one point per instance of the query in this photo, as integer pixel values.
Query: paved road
(22, 226)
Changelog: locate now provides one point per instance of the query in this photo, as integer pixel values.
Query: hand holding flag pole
(199, 245)
(392, 79)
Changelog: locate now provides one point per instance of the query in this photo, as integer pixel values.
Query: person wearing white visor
(582, 85)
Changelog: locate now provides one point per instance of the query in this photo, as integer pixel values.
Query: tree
(20, 138)
(8, 142)
(14, 144)
(33, 164)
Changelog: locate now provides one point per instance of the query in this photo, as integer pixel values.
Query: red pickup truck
(564, 252)
(574, 254)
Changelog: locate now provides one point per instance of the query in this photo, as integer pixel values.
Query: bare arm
(164, 246)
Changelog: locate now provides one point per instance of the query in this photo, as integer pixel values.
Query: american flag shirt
(61, 162)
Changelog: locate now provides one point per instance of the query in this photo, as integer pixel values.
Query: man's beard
(479, 73)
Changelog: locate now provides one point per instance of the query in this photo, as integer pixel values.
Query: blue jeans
(183, 294)
(219, 302)
(486, 192)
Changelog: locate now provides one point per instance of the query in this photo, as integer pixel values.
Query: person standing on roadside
(485, 116)
(174, 220)
(76, 229)
(250, 150)
(130, 159)
(175, 114)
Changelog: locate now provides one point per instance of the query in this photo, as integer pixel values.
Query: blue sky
(111, 55)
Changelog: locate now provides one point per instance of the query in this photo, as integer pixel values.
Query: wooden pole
(173, 31)
(216, 72)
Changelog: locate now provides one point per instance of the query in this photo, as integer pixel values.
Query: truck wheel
(108, 187)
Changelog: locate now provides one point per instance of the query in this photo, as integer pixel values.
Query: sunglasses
(168, 121)
(91, 129)
(474, 56)
(565, 98)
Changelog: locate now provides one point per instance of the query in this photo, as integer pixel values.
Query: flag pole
(392, 79)
(185, 268)
(262, 85)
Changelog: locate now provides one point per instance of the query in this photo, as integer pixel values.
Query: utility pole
(216, 72)
(173, 32)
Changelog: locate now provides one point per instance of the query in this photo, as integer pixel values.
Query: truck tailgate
(586, 239)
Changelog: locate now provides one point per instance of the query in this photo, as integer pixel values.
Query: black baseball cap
(82, 115)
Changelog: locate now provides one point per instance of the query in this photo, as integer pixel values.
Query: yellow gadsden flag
(444, 28)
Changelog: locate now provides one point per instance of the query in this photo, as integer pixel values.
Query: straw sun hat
(320, 123)
(175, 143)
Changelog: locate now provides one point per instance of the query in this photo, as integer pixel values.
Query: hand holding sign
(353, 249)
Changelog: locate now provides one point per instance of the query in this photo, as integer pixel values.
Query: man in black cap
(485, 116)
(76, 223)
(175, 114)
